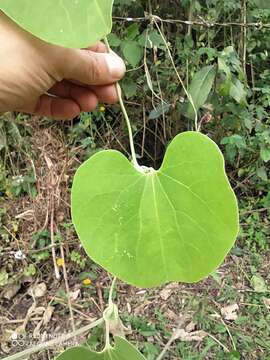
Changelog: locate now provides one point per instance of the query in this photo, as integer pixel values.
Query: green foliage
(232, 82)
(263, 4)
(40, 240)
(200, 88)
(151, 351)
(161, 109)
(134, 43)
(142, 326)
(71, 22)
(13, 148)
(132, 52)
(77, 258)
(254, 235)
(130, 44)
(123, 350)
(234, 144)
(150, 227)
(258, 284)
(30, 270)
(20, 185)
(129, 87)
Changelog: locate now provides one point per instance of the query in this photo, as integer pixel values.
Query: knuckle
(93, 69)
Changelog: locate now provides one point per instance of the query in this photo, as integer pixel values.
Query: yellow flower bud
(87, 281)
(60, 262)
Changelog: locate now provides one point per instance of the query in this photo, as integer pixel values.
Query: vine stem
(111, 291)
(124, 111)
(166, 348)
(171, 340)
(52, 343)
(107, 325)
(154, 18)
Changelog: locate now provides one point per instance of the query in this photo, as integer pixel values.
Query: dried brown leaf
(172, 316)
(11, 291)
(183, 335)
(230, 312)
(190, 327)
(266, 302)
(38, 290)
(48, 315)
(165, 293)
(74, 294)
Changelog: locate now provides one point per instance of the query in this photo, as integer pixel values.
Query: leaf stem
(107, 336)
(53, 343)
(111, 291)
(124, 111)
(109, 309)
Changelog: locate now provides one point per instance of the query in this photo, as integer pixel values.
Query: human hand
(53, 81)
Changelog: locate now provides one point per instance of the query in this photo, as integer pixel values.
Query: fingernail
(116, 66)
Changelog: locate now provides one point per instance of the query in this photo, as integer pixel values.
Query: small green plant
(40, 240)
(30, 270)
(77, 258)
(13, 148)
(20, 185)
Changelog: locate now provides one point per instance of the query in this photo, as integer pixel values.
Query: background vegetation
(226, 316)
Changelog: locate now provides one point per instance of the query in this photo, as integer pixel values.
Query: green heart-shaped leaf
(174, 224)
(123, 350)
(76, 23)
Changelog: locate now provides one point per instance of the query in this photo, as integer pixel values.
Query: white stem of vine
(124, 111)
(107, 325)
(111, 291)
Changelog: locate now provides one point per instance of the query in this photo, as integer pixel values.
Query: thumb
(91, 68)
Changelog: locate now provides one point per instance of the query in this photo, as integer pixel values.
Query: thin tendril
(177, 73)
